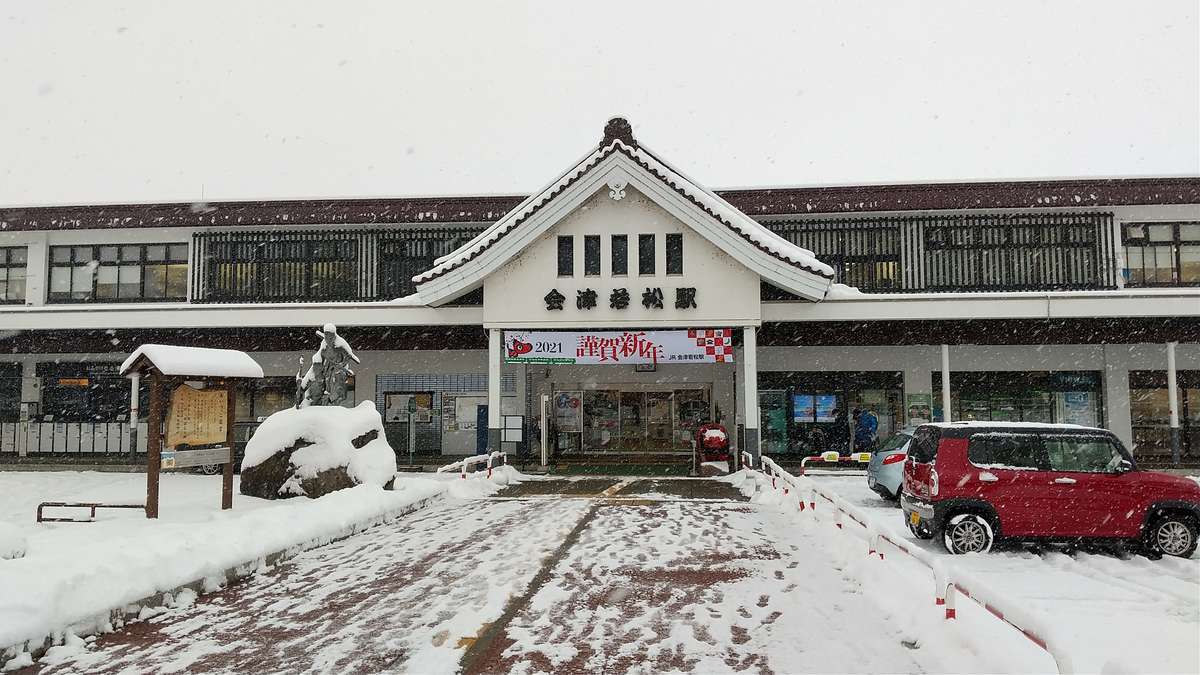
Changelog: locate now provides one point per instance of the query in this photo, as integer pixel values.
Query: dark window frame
(986, 441)
(591, 255)
(7, 265)
(142, 262)
(646, 255)
(674, 246)
(1142, 241)
(566, 255)
(619, 254)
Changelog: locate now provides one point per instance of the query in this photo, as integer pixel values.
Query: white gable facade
(686, 261)
(714, 289)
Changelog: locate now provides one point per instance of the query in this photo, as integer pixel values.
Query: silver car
(885, 473)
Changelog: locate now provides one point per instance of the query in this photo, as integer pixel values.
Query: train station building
(626, 305)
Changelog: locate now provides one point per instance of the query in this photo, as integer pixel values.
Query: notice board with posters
(197, 416)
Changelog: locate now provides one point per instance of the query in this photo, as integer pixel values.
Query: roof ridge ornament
(618, 129)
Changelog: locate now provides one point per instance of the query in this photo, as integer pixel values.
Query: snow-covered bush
(12, 542)
(316, 450)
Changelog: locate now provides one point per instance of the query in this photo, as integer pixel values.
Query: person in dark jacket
(865, 426)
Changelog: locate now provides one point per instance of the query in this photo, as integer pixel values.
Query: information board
(197, 416)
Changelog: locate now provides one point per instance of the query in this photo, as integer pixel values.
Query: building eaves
(755, 202)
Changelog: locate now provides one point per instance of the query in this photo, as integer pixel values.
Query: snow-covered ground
(404, 597)
(1129, 615)
(591, 574)
(74, 573)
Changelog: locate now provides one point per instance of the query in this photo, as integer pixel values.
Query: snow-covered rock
(12, 542)
(315, 450)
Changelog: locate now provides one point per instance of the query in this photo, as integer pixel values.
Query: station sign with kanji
(706, 345)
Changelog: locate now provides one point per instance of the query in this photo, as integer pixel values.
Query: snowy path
(391, 598)
(601, 580)
(697, 587)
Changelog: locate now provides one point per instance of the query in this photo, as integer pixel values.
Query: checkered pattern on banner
(717, 342)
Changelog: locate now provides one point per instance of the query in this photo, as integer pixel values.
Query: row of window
(1162, 254)
(1156, 254)
(619, 255)
(124, 273)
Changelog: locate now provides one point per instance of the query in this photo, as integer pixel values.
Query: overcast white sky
(104, 102)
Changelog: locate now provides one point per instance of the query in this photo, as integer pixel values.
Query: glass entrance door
(643, 421)
(658, 420)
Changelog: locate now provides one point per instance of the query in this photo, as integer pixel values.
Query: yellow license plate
(914, 518)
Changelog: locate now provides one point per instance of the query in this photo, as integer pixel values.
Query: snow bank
(330, 429)
(12, 542)
(128, 559)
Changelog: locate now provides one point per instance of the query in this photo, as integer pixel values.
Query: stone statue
(325, 383)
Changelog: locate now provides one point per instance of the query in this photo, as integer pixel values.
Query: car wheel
(920, 531)
(1172, 535)
(210, 469)
(967, 533)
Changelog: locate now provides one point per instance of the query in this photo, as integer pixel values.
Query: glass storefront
(810, 412)
(1150, 415)
(630, 419)
(1051, 397)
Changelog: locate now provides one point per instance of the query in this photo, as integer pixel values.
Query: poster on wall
(825, 407)
(449, 413)
(919, 408)
(568, 411)
(1078, 409)
(712, 345)
(804, 408)
(396, 407)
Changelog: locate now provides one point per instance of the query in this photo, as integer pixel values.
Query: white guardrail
(473, 460)
(948, 582)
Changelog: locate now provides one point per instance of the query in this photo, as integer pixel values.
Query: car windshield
(895, 442)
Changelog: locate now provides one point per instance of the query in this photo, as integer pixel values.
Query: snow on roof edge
(195, 361)
(754, 231)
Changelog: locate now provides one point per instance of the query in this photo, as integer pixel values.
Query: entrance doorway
(633, 418)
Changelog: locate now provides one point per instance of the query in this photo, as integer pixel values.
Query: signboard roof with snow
(192, 362)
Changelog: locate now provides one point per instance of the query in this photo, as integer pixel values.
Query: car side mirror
(1124, 466)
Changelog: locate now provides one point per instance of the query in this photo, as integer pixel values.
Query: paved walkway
(587, 575)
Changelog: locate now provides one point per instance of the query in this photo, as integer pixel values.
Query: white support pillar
(1117, 409)
(1173, 395)
(135, 386)
(946, 417)
(750, 390)
(494, 360)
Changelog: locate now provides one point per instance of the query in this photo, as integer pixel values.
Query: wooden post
(227, 468)
(154, 444)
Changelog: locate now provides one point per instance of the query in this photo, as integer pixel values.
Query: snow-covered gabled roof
(619, 143)
(193, 361)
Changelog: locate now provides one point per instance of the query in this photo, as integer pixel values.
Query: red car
(973, 482)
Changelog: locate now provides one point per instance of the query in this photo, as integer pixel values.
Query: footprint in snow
(763, 601)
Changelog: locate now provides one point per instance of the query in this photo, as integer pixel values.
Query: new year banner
(713, 345)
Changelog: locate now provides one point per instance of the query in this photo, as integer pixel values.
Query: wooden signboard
(197, 417)
(171, 430)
